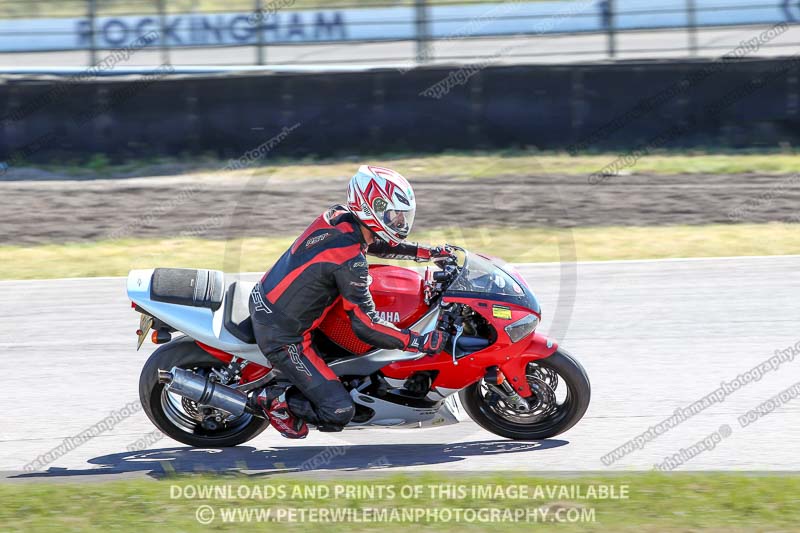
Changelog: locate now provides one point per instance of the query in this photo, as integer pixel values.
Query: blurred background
(522, 114)
(384, 33)
(169, 77)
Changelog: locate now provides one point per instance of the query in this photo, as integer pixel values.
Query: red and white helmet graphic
(383, 201)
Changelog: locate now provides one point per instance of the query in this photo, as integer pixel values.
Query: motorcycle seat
(188, 286)
(236, 316)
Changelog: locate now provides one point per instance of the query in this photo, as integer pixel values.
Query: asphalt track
(652, 335)
(567, 48)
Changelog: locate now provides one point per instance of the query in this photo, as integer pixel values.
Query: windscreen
(481, 276)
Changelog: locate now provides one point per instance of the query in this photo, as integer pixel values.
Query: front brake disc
(543, 401)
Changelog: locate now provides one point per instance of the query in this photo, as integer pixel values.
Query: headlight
(522, 327)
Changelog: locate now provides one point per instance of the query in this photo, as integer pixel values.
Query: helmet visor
(399, 222)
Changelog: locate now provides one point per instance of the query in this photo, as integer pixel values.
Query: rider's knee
(337, 413)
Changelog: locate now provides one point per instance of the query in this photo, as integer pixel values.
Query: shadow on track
(252, 462)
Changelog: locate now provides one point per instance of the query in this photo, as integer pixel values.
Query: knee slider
(339, 414)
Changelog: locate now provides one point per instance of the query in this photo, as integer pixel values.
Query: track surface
(653, 336)
(713, 42)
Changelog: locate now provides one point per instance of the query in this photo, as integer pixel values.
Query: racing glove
(431, 343)
(436, 253)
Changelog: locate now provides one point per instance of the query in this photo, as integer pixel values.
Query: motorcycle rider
(327, 262)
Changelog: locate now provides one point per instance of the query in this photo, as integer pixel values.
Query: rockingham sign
(286, 25)
(216, 29)
(191, 30)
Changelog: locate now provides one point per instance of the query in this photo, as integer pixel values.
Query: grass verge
(457, 165)
(521, 245)
(654, 502)
(523, 163)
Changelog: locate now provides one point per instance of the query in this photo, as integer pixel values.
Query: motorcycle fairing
(512, 358)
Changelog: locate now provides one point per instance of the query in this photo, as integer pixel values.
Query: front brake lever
(459, 331)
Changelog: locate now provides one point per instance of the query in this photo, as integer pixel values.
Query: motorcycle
(200, 388)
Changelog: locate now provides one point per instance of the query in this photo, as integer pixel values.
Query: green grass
(654, 503)
(526, 163)
(462, 165)
(523, 245)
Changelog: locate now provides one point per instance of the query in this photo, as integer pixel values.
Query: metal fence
(381, 32)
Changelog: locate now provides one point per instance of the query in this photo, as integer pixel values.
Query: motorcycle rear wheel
(168, 413)
(551, 416)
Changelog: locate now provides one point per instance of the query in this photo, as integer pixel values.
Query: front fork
(496, 382)
(514, 373)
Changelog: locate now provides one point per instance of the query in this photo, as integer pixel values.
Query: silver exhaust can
(203, 391)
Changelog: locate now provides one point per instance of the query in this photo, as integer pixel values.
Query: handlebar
(439, 279)
(452, 259)
(440, 276)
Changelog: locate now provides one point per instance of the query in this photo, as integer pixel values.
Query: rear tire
(565, 415)
(184, 353)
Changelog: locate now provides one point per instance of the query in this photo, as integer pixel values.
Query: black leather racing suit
(325, 262)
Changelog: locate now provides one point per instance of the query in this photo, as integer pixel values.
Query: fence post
(607, 8)
(691, 13)
(423, 36)
(162, 41)
(92, 14)
(259, 13)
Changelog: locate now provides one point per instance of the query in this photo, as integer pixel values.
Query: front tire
(551, 416)
(165, 412)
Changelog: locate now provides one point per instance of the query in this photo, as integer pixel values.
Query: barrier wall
(747, 103)
(278, 22)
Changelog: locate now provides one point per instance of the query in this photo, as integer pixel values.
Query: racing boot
(273, 403)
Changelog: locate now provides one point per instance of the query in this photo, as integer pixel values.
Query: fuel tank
(398, 297)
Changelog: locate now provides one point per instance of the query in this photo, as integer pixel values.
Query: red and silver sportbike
(199, 388)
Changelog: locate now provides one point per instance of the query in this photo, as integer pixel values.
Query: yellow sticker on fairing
(498, 311)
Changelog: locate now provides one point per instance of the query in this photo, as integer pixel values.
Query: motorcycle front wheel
(561, 393)
(180, 418)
